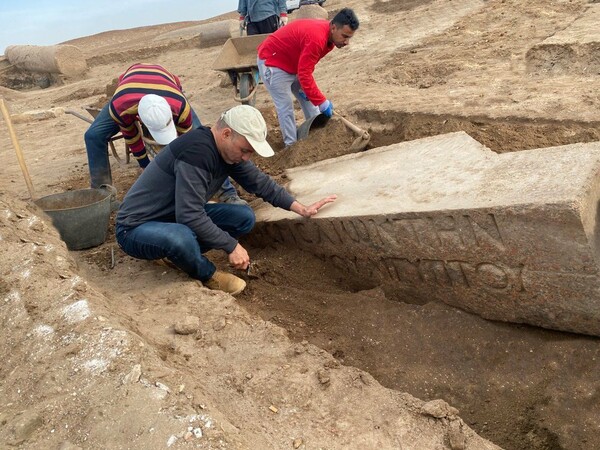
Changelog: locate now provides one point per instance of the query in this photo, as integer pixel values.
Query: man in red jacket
(287, 60)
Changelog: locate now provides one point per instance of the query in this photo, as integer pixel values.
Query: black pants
(268, 25)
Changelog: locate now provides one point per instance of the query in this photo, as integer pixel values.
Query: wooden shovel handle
(353, 127)
(15, 142)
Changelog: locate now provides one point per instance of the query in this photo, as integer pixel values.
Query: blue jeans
(96, 143)
(178, 243)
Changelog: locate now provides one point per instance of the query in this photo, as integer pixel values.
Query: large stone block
(510, 237)
(575, 49)
(64, 59)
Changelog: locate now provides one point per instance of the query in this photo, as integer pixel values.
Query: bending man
(287, 60)
(168, 114)
(177, 222)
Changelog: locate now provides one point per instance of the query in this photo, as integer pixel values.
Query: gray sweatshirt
(180, 181)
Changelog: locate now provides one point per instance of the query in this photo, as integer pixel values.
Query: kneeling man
(176, 221)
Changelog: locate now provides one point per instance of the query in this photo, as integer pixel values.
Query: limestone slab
(511, 237)
(575, 49)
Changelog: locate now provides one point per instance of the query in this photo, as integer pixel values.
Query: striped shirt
(134, 83)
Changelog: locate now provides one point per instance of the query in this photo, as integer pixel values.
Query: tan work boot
(225, 282)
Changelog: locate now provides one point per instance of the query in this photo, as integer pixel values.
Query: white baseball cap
(156, 115)
(249, 122)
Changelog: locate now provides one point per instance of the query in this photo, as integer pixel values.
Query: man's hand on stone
(311, 210)
(239, 258)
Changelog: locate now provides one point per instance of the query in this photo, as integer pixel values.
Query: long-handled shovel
(15, 142)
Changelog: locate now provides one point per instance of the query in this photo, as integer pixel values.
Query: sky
(48, 22)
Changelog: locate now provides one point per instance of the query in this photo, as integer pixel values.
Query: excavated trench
(519, 386)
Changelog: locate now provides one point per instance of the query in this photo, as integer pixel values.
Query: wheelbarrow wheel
(246, 85)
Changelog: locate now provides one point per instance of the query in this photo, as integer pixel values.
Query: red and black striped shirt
(134, 83)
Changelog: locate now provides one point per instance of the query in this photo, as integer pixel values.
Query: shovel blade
(313, 123)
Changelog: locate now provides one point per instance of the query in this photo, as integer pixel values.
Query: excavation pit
(505, 378)
(519, 386)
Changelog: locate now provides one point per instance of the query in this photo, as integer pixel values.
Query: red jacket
(297, 48)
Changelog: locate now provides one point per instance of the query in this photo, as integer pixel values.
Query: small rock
(367, 379)
(189, 325)
(456, 436)
(323, 377)
(219, 324)
(273, 409)
(297, 442)
(439, 409)
(299, 349)
(134, 375)
(162, 386)
(188, 436)
(197, 432)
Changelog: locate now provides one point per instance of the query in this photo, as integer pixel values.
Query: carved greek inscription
(447, 232)
(404, 270)
(419, 231)
(434, 272)
(486, 230)
(485, 275)
(272, 233)
(356, 230)
(456, 274)
(370, 230)
(329, 234)
(302, 232)
(347, 228)
(444, 233)
(375, 270)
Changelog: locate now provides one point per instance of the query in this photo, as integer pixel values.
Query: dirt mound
(332, 140)
(173, 363)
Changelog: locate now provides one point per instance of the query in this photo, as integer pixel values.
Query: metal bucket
(81, 217)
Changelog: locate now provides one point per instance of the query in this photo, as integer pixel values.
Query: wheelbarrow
(238, 59)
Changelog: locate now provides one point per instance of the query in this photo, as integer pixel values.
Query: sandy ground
(305, 356)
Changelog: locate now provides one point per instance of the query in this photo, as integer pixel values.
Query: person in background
(262, 16)
(167, 115)
(176, 222)
(287, 60)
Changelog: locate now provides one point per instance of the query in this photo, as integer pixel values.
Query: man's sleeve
(132, 137)
(309, 57)
(191, 187)
(243, 7)
(282, 8)
(256, 182)
(184, 121)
